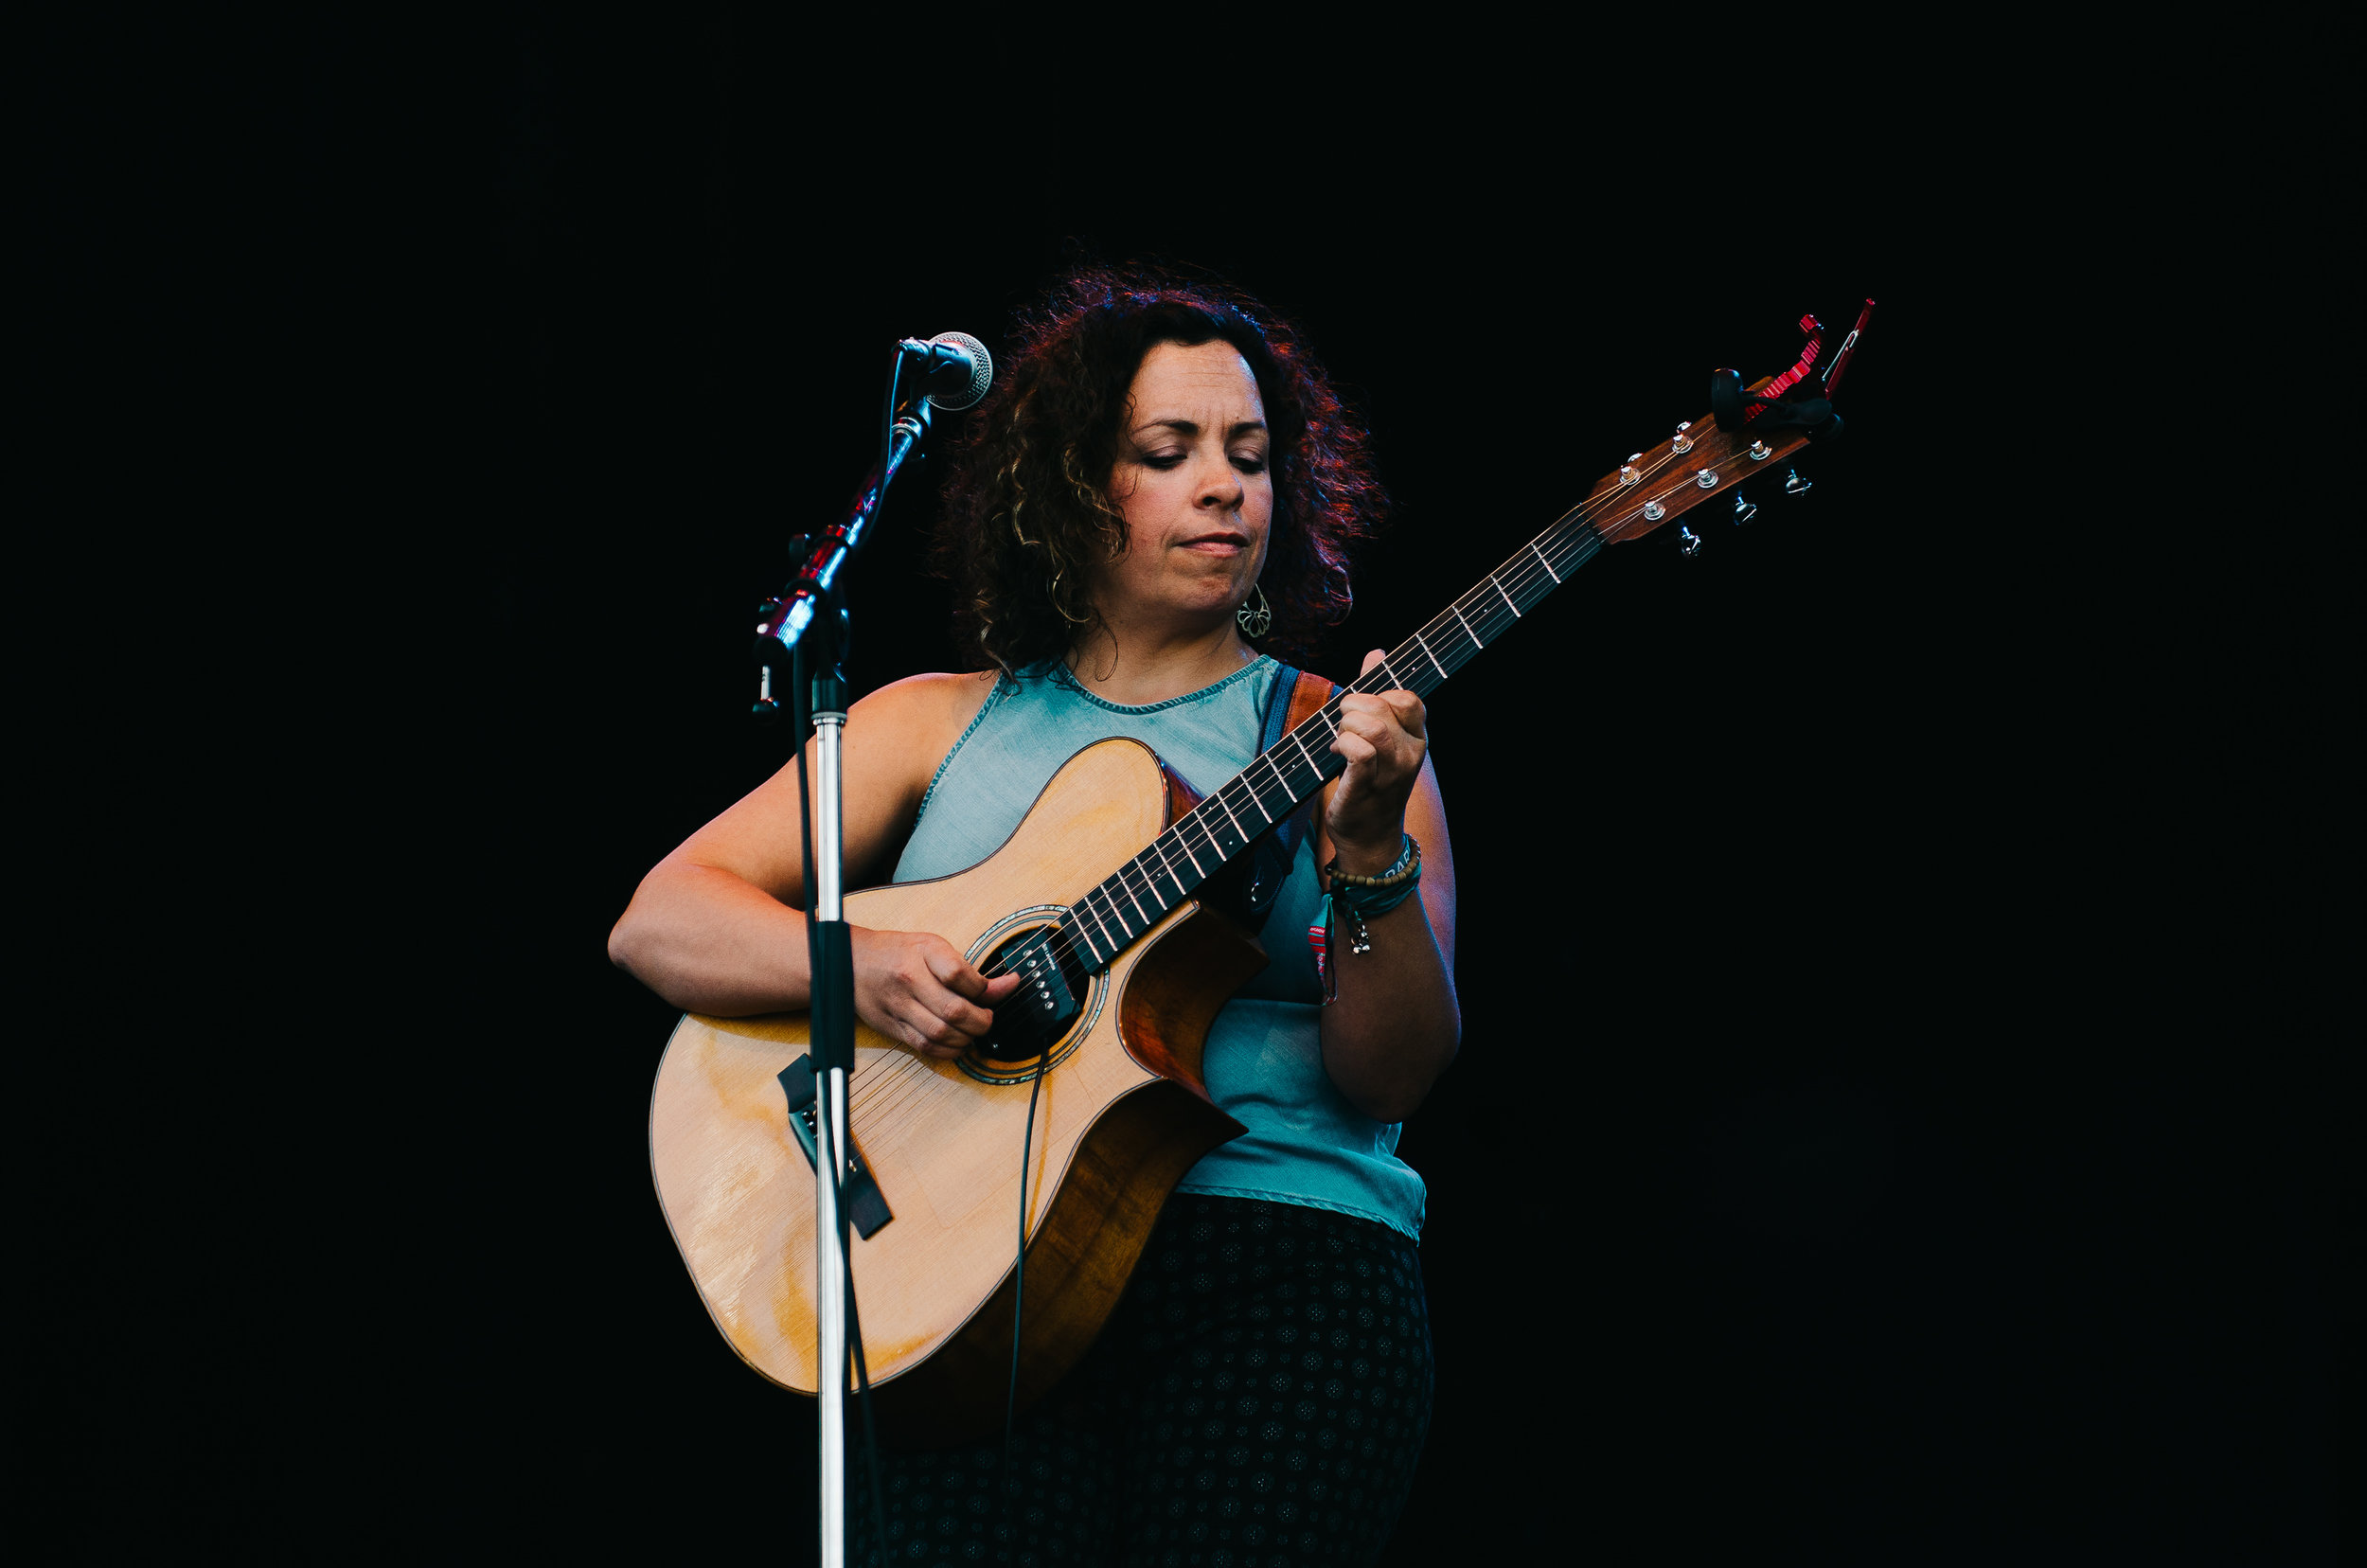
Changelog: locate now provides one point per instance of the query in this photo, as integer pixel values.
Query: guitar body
(1122, 1115)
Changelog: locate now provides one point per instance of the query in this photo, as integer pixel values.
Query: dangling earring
(1254, 622)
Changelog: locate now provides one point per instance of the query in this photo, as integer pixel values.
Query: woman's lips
(1218, 544)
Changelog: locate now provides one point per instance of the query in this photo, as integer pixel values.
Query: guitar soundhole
(1054, 1000)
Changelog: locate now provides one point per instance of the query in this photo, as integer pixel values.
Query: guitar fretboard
(1132, 898)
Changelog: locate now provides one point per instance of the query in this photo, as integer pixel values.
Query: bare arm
(1397, 1023)
(715, 928)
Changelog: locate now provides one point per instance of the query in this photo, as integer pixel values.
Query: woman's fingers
(1383, 737)
(955, 1001)
(1398, 710)
(917, 988)
(932, 1031)
(921, 1035)
(946, 1024)
(957, 1021)
(956, 976)
(1407, 706)
(1365, 734)
(1408, 711)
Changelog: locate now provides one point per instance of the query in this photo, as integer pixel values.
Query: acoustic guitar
(1092, 900)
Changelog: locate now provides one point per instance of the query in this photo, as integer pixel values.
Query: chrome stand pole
(830, 1262)
(814, 603)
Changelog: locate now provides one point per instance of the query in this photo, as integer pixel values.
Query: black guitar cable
(1018, 1283)
(863, 1391)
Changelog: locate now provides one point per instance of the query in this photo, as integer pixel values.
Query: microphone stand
(810, 624)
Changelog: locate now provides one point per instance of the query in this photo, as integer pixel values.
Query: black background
(1895, 1119)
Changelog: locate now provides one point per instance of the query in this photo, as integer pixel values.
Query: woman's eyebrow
(1188, 427)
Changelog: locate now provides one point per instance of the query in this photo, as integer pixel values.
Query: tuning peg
(1684, 440)
(1688, 542)
(1745, 509)
(1794, 485)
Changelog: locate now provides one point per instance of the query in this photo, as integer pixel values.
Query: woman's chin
(1214, 608)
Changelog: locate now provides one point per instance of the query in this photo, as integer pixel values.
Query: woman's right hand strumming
(914, 987)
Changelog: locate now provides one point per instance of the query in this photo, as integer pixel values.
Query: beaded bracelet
(1408, 868)
(1361, 897)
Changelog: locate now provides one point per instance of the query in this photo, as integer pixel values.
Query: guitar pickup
(866, 1209)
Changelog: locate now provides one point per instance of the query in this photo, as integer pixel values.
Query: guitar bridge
(866, 1209)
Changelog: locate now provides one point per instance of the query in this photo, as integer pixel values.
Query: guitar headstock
(1699, 464)
(1717, 454)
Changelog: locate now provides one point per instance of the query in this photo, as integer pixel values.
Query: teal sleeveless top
(1306, 1144)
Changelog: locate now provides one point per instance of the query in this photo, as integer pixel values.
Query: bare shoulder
(915, 722)
(920, 708)
(896, 737)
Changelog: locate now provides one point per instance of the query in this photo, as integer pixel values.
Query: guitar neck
(1651, 489)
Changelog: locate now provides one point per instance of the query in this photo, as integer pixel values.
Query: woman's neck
(1133, 664)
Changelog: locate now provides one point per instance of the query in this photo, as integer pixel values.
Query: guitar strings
(883, 1098)
(902, 1070)
(890, 1121)
(1529, 567)
(1524, 572)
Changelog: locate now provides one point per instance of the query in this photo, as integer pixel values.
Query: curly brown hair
(1028, 512)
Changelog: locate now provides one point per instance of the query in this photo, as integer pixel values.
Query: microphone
(956, 369)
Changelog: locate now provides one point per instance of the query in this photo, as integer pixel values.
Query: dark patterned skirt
(1260, 1399)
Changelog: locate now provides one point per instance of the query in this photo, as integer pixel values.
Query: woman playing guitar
(1155, 500)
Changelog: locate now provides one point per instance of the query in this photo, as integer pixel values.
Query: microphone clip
(820, 640)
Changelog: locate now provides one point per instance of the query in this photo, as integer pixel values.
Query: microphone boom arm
(784, 620)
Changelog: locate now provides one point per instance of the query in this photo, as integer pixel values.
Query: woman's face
(1191, 480)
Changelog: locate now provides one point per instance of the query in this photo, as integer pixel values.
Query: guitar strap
(1297, 693)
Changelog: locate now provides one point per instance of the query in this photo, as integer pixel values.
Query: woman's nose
(1221, 491)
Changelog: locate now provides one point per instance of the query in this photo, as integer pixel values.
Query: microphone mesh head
(982, 370)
